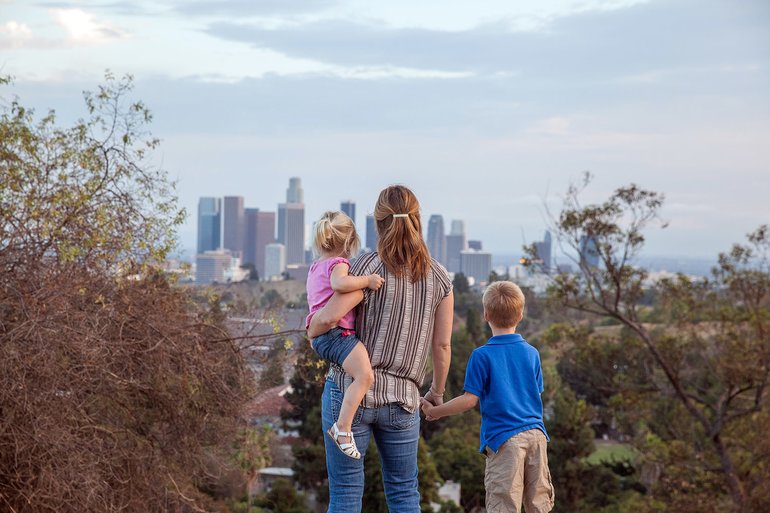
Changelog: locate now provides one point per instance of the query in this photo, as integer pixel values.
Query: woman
(410, 314)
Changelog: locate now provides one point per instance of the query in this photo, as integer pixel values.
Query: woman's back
(396, 325)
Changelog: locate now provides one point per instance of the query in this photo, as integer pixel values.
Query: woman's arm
(327, 317)
(441, 348)
(341, 281)
(457, 405)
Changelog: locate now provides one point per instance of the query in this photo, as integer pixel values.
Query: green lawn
(609, 450)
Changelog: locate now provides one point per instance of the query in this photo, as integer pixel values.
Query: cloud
(240, 8)
(586, 47)
(14, 34)
(83, 27)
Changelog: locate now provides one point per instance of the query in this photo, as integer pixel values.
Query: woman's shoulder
(441, 275)
(437, 267)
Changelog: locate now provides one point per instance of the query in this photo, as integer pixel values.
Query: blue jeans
(396, 432)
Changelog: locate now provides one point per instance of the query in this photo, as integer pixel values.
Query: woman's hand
(433, 397)
(427, 408)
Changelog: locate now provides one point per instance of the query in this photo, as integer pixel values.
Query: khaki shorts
(518, 473)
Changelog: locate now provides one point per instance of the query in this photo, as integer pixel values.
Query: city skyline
(488, 111)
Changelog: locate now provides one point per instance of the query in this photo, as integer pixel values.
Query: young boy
(505, 376)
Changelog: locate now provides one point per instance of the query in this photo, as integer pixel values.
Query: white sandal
(348, 449)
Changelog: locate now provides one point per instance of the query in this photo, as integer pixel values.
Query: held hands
(375, 281)
(427, 409)
(429, 402)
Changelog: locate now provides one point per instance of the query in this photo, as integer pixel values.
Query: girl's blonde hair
(336, 233)
(401, 246)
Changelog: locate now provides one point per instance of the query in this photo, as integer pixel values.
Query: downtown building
(456, 243)
(348, 208)
(259, 232)
(275, 261)
(233, 233)
(477, 265)
(437, 239)
(371, 233)
(209, 224)
(212, 266)
(291, 223)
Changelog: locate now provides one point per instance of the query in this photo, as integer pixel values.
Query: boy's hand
(375, 281)
(433, 398)
(427, 407)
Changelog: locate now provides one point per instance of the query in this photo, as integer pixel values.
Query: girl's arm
(341, 281)
(457, 405)
(327, 317)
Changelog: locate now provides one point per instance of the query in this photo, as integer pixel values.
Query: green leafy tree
(455, 449)
(709, 354)
(460, 284)
(272, 299)
(283, 497)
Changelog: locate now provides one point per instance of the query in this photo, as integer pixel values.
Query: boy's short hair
(504, 304)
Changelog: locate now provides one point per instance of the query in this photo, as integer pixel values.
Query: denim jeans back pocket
(401, 418)
(335, 401)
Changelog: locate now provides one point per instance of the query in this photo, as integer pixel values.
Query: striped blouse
(395, 323)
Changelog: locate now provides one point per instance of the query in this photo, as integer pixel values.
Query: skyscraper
(209, 221)
(291, 223)
(456, 243)
(371, 233)
(543, 250)
(437, 238)
(295, 194)
(233, 225)
(349, 209)
(260, 231)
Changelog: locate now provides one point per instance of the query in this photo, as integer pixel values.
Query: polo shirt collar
(506, 339)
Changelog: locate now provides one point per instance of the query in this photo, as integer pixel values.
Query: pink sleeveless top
(319, 290)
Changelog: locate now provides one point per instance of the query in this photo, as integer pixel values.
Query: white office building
(275, 261)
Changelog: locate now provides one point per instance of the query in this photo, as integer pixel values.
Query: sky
(488, 110)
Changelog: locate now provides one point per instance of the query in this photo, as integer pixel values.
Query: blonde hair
(401, 246)
(504, 304)
(335, 233)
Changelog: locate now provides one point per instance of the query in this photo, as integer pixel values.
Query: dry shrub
(112, 394)
(116, 392)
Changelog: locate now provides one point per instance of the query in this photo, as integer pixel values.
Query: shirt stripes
(395, 324)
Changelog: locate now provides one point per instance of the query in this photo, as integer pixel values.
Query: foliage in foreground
(116, 394)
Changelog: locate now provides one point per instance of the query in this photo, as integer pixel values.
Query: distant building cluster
(233, 239)
(456, 252)
(236, 242)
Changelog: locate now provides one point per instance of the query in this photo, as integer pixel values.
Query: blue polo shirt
(505, 374)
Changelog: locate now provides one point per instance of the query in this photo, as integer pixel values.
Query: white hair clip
(400, 215)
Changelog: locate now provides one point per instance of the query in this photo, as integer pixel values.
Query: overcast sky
(487, 109)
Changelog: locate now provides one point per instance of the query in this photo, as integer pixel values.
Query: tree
(460, 283)
(283, 498)
(709, 355)
(455, 449)
(116, 393)
(272, 299)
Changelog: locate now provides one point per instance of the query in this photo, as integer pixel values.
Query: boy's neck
(502, 331)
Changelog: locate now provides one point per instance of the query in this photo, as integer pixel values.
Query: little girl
(335, 240)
